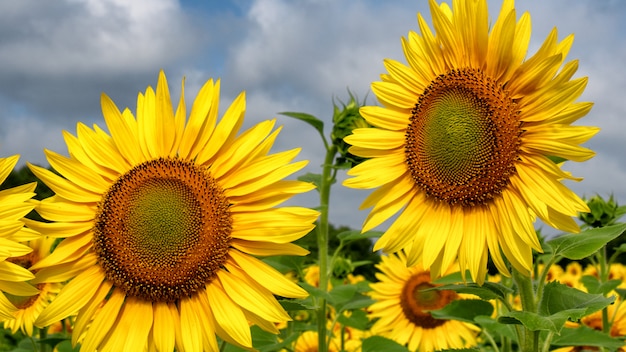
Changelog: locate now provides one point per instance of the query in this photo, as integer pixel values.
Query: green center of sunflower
(463, 139)
(162, 230)
(417, 298)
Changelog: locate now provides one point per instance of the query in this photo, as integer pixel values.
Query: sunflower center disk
(463, 139)
(162, 230)
(418, 297)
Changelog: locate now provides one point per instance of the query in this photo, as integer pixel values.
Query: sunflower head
(404, 296)
(164, 217)
(463, 146)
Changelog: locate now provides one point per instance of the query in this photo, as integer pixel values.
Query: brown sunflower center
(416, 299)
(162, 230)
(463, 139)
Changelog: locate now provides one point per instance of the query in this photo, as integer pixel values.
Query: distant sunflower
(401, 308)
(15, 203)
(30, 301)
(163, 219)
(463, 145)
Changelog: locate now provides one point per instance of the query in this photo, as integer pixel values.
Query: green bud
(345, 119)
(602, 213)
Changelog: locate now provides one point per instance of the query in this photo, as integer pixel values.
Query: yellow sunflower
(163, 218)
(15, 203)
(462, 145)
(401, 308)
(29, 306)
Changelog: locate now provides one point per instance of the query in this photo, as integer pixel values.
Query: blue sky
(56, 58)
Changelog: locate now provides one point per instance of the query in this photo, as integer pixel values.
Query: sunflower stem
(604, 277)
(43, 333)
(529, 341)
(322, 242)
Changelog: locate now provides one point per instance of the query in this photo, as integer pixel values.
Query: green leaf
(532, 321)
(358, 320)
(561, 298)
(358, 235)
(586, 243)
(308, 118)
(495, 328)
(489, 290)
(315, 179)
(291, 305)
(593, 285)
(358, 303)
(585, 336)
(464, 310)
(342, 294)
(558, 304)
(379, 343)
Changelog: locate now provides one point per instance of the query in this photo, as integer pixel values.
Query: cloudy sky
(57, 57)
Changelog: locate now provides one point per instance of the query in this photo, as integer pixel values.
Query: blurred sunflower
(31, 301)
(462, 145)
(308, 342)
(402, 304)
(15, 203)
(617, 319)
(163, 219)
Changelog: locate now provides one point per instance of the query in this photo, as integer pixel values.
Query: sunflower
(466, 143)
(163, 219)
(29, 306)
(401, 306)
(15, 203)
(308, 342)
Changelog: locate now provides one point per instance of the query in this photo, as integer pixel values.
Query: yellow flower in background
(462, 141)
(28, 305)
(163, 218)
(15, 203)
(308, 342)
(402, 304)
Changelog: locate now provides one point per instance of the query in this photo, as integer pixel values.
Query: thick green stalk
(529, 341)
(322, 242)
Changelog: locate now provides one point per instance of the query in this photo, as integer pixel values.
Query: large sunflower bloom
(15, 203)
(463, 139)
(163, 219)
(402, 306)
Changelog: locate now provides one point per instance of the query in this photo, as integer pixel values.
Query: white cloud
(90, 36)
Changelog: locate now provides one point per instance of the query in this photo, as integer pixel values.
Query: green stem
(541, 282)
(322, 242)
(604, 277)
(43, 333)
(529, 340)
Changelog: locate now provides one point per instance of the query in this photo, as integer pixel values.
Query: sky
(57, 57)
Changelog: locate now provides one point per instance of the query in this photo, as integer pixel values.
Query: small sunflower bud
(345, 120)
(602, 212)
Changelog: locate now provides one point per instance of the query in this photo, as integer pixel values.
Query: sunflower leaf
(308, 118)
(315, 179)
(379, 343)
(594, 285)
(464, 310)
(585, 336)
(559, 298)
(353, 235)
(495, 328)
(586, 243)
(358, 320)
(530, 320)
(489, 290)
